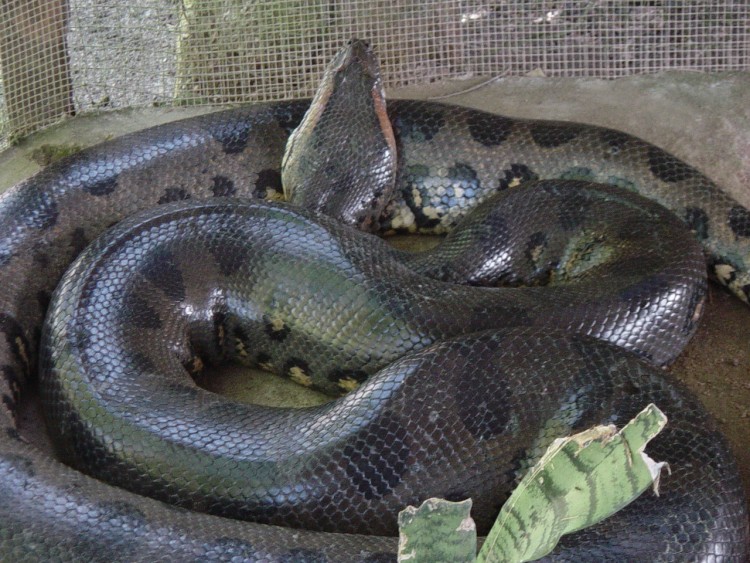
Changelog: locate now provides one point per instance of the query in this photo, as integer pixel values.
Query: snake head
(341, 160)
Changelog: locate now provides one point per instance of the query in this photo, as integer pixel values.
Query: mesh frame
(59, 57)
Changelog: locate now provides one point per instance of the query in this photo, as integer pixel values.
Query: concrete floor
(703, 119)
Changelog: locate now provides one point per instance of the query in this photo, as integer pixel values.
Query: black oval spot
(417, 123)
(78, 241)
(162, 271)
(230, 260)
(43, 298)
(173, 194)
(268, 179)
(233, 136)
(289, 116)
(615, 141)
(697, 219)
(515, 175)
(549, 135)
(668, 168)
(102, 187)
(223, 187)
(138, 312)
(739, 221)
(489, 130)
(16, 339)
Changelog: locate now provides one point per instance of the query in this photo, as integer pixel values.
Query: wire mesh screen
(59, 57)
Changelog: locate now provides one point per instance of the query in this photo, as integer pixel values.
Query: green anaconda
(454, 389)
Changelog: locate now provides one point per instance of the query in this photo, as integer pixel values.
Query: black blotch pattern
(739, 221)
(140, 313)
(549, 136)
(223, 187)
(229, 260)
(143, 363)
(537, 242)
(42, 211)
(414, 179)
(102, 187)
(173, 194)
(233, 137)
(356, 374)
(276, 334)
(697, 219)
(41, 257)
(484, 415)
(746, 291)
(289, 116)
(615, 141)
(373, 468)
(573, 210)
(162, 271)
(465, 177)
(14, 336)
(78, 241)
(516, 173)
(418, 123)
(262, 357)
(268, 179)
(666, 167)
(489, 130)
(43, 298)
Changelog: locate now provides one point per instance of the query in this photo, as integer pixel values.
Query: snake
(573, 266)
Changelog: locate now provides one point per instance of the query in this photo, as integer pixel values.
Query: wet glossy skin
(449, 159)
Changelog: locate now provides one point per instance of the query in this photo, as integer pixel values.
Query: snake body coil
(218, 280)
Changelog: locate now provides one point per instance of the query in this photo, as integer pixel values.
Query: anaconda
(449, 160)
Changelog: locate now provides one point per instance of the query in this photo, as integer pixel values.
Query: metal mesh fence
(59, 57)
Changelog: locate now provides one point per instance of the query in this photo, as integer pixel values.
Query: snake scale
(199, 269)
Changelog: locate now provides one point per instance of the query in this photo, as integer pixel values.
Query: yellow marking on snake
(22, 351)
(197, 365)
(298, 375)
(724, 272)
(239, 345)
(348, 383)
(277, 324)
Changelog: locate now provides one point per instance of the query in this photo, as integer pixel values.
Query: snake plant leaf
(437, 531)
(555, 497)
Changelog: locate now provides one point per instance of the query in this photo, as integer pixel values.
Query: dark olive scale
(50, 511)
